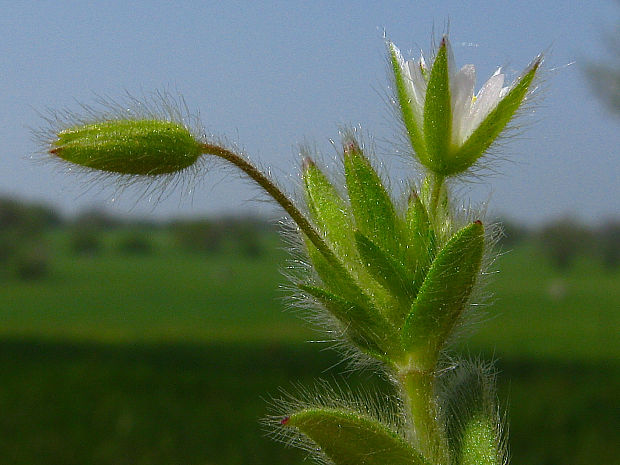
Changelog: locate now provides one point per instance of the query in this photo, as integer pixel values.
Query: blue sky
(272, 75)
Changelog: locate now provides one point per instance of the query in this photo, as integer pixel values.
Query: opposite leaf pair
(471, 423)
(399, 285)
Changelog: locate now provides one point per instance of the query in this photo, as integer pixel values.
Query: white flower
(467, 111)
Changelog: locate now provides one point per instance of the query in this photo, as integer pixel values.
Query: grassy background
(170, 357)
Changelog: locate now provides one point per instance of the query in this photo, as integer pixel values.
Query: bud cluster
(400, 284)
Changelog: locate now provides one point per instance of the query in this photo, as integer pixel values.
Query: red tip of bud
(350, 147)
(55, 151)
(413, 195)
(478, 222)
(284, 420)
(537, 62)
(307, 163)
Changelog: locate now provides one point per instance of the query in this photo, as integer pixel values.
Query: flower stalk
(275, 193)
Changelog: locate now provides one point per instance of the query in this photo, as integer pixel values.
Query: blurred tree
(135, 242)
(562, 240)
(96, 218)
(87, 228)
(85, 240)
(512, 232)
(26, 217)
(31, 262)
(608, 241)
(23, 246)
(197, 235)
(604, 76)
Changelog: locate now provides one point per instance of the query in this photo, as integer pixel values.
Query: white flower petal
(411, 80)
(423, 62)
(461, 93)
(487, 99)
(418, 85)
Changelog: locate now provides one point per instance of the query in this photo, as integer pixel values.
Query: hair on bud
(153, 140)
(141, 147)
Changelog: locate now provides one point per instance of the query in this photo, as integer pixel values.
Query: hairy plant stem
(437, 183)
(420, 403)
(282, 199)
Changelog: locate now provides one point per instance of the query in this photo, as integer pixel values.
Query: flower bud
(449, 126)
(145, 147)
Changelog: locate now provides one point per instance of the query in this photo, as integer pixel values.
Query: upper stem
(437, 181)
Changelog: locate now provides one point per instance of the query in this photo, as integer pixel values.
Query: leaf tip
(536, 63)
(307, 163)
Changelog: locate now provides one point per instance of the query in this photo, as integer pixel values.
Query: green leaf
(337, 278)
(364, 326)
(372, 206)
(479, 444)
(404, 102)
(471, 416)
(444, 293)
(329, 211)
(439, 213)
(349, 438)
(438, 114)
(389, 272)
(333, 217)
(421, 239)
(495, 122)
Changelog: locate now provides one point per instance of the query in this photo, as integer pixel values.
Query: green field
(171, 357)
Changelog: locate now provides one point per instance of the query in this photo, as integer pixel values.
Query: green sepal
(337, 278)
(389, 272)
(438, 114)
(349, 438)
(490, 128)
(365, 327)
(421, 240)
(443, 295)
(404, 102)
(334, 219)
(329, 210)
(479, 444)
(134, 147)
(472, 419)
(439, 210)
(372, 206)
